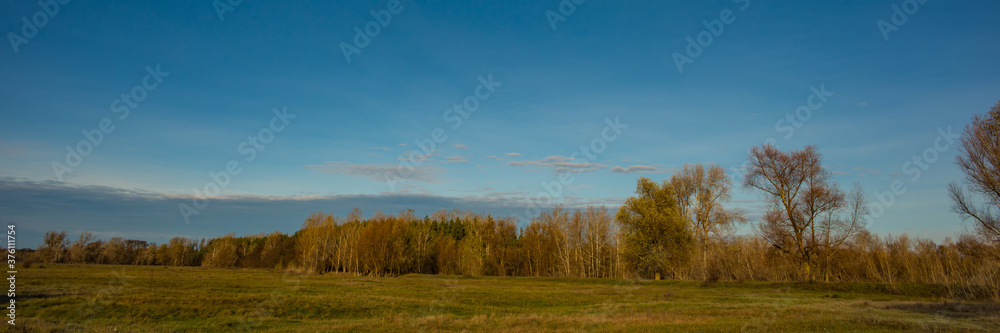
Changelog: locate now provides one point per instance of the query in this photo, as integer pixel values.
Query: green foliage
(656, 237)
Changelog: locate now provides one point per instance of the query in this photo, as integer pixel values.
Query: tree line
(678, 228)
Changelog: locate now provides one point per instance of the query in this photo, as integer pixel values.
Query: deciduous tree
(701, 192)
(54, 248)
(656, 238)
(795, 184)
(979, 159)
(78, 251)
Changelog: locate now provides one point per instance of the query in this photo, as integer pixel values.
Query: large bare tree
(806, 217)
(979, 159)
(782, 177)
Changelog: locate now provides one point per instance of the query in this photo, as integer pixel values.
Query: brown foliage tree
(979, 159)
(804, 217)
(701, 192)
(78, 252)
(54, 248)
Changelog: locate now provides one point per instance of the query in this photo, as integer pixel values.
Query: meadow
(113, 298)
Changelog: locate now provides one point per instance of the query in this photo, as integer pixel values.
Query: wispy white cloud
(417, 158)
(512, 154)
(455, 159)
(871, 171)
(635, 169)
(459, 146)
(561, 164)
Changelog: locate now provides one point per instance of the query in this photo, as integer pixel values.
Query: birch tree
(701, 192)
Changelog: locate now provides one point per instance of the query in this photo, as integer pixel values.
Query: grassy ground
(181, 299)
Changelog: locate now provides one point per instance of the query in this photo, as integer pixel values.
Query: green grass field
(191, 299)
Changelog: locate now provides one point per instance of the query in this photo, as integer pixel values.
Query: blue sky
(555, 90)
